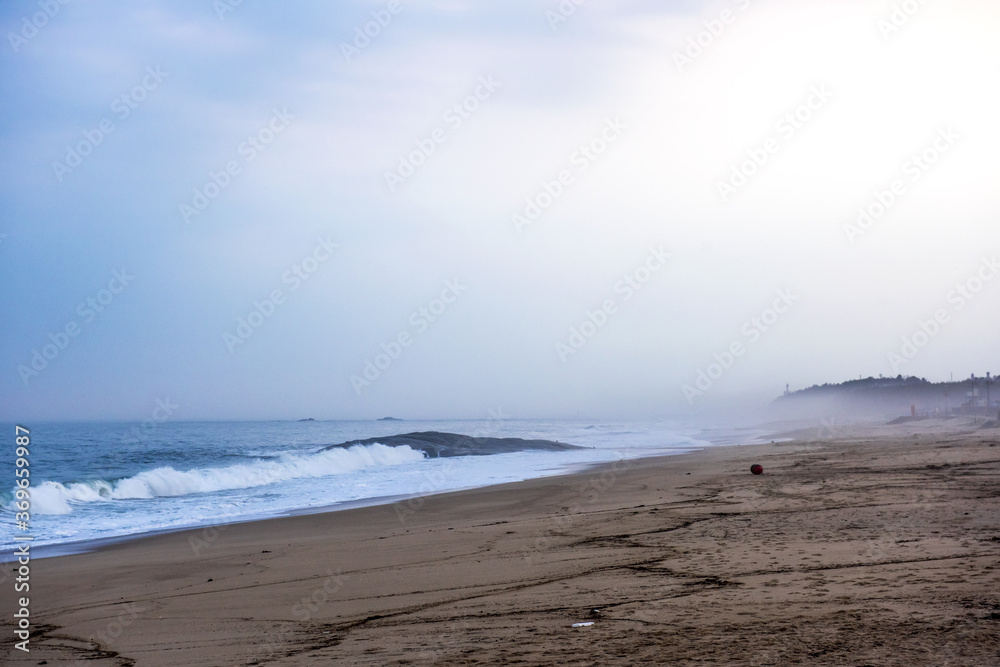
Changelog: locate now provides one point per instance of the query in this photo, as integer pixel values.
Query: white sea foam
(56, 498)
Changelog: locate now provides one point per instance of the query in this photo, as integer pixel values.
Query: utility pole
(989, 381)
(973, 395)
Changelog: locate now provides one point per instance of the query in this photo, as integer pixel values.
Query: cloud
(352, 120)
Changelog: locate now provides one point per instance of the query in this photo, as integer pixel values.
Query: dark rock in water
(436, 444)
(307, 419)
(388, 419)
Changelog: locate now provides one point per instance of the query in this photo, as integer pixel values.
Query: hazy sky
(591, 203)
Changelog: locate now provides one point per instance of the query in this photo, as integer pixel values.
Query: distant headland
(975, 395)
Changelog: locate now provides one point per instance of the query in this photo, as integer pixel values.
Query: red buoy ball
(757, 469)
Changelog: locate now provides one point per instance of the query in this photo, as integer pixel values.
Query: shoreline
(70, 548)
(756, 435)
(65, 549)
(879, 546)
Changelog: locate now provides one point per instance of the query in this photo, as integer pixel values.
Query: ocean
(94, 482)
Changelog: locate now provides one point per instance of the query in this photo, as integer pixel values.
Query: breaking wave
(57, 498)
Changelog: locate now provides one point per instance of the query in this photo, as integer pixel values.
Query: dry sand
(856, 547)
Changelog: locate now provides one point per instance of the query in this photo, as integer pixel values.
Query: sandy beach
(857, 546)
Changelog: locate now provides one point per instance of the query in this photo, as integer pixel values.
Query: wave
(437, 444)
(57, 498)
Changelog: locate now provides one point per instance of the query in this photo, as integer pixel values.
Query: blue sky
(309, 136)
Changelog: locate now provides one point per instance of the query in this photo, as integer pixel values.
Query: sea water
(99, 481)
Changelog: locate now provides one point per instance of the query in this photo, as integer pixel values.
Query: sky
(629, 209)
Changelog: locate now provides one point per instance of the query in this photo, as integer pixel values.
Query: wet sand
(857, 546)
